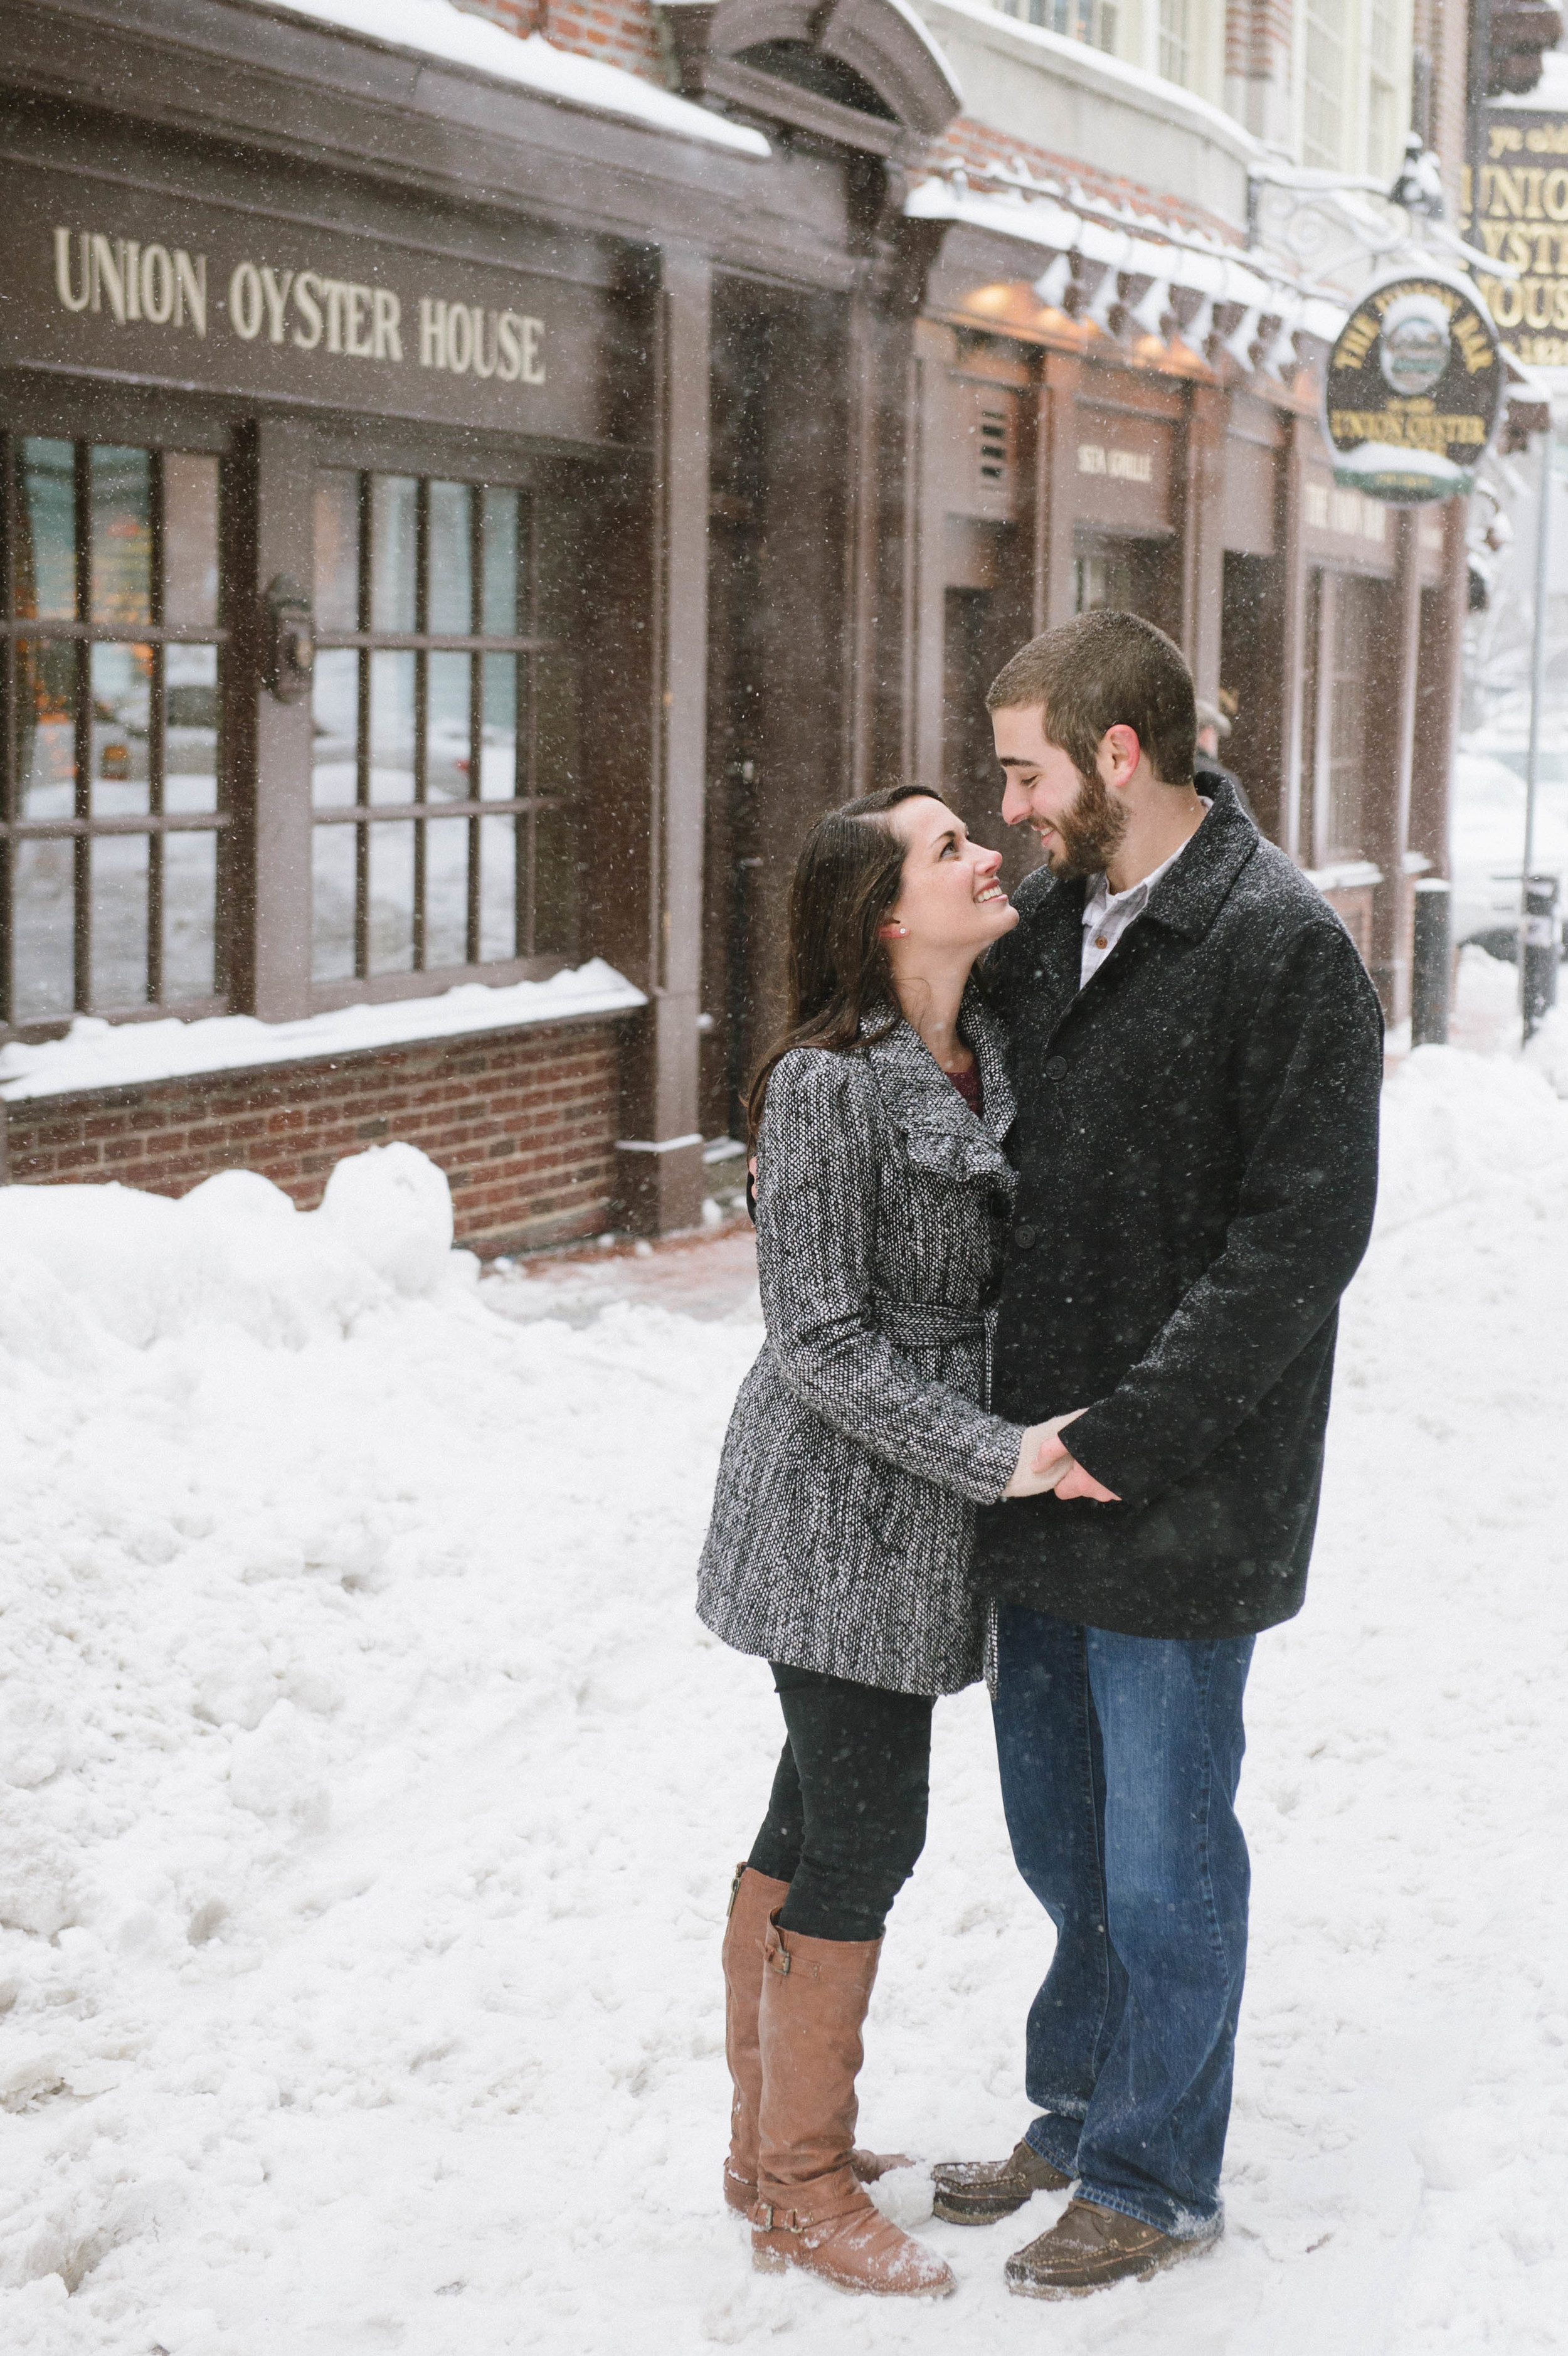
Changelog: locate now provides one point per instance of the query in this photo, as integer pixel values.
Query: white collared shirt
(1107, 914)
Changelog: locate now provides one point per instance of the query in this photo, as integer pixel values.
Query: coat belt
(922, 1324)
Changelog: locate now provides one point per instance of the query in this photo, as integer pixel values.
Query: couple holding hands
(1055, 1197)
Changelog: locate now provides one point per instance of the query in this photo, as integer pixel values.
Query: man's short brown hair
(1106, 670)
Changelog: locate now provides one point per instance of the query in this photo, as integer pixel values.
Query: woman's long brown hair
(846, 881)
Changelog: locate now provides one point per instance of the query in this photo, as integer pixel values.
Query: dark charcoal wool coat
(858, 1447)
(1197, 1148)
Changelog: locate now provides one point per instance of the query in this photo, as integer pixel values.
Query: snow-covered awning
(435, 29)
(1125, 271)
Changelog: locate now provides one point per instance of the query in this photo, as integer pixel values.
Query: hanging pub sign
(1413, 390)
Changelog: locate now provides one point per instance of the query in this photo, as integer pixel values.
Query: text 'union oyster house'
(470, 499)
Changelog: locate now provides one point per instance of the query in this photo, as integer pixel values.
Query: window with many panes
(1323, 126)
(110, 797)
(445, 727)
(1383, 141)
(1176, 41)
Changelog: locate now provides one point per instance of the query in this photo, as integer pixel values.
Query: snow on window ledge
(99, 1054)
(437, 29)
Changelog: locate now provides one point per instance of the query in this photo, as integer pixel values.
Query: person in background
(860, 1446)
(1207, 768)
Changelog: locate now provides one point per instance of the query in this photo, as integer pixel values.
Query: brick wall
(981, 149)
(522, 1123)
(620, 32)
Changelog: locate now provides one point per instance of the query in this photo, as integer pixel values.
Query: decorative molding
(707, 43)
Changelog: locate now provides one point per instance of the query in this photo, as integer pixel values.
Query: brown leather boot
(977, 2192)
(810, 2209)
(1089, 2247)
(752, 1898)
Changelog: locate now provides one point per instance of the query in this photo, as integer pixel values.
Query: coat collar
(941, 1132)
(1189, 896)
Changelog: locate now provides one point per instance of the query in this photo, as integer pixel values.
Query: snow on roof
(99, 1054)
(1081, 61)
(435, 29)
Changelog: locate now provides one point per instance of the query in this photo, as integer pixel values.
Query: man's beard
(1090, 833)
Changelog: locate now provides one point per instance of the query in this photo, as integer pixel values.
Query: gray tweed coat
(858, 1448)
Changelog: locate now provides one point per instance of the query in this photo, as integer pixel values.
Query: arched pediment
(862, 73)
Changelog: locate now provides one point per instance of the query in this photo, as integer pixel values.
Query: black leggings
(846, 1819)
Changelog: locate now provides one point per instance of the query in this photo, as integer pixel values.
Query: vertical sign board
(1413, 391)
(1522, 219)
(102, 279)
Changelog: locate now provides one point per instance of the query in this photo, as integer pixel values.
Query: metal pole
(1537, 704)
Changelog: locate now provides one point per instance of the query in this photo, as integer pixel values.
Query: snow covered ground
(372, 1795)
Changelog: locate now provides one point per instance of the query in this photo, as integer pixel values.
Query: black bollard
(1542, 943)
(1432, 978)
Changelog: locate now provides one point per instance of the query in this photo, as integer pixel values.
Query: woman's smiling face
(949, 897)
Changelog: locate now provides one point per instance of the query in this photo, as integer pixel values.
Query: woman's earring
(893, 932)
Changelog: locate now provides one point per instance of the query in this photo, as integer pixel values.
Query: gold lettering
(1554, 194)
(245, 304)
(158, 284)
(1474, 341)
(336, 293)
(432, 332)
(108, 277)
(190, 290)
(1357, 339)
(276, 291)
(131, 256)
(533, 351)
(459, 338)
(63, 286)
(509, 360)
(356, 312)
(1502, 192)
(308, 286)
(389, 315)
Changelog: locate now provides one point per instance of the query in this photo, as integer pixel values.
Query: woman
(858, 1448)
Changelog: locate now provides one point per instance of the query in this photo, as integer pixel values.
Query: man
(1207, 765)
(1197, 1056)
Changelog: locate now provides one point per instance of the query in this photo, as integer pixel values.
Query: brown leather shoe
(753, 1897)
(810, 2209)
(978, 2191)
(1089, 2247)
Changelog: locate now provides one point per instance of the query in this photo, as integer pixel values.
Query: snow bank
(440, 30)
(370, 1795)
(99, 1054)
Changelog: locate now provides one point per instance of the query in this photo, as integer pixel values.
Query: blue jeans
(1120, 1757)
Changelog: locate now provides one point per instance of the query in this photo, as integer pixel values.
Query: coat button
(1057, 1069)
(1024, 1236)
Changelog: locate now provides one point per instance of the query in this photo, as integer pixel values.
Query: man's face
(1078, 822)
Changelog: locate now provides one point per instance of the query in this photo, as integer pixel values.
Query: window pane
(335, 710)
(120, 920)
(44, 583)
(392, 727)
(190, 898)
(190, 541)
(46, 733)
(498, 743)
(498, 887)
(337, 551)
(447, 760)
(392, 546)
(190, 728)
(555, 883)
(122, 535)
(446, 891)
(392, 898)
(44, 930)
(121, 701)
(501, 564)
(451, 594)
(331, 902)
